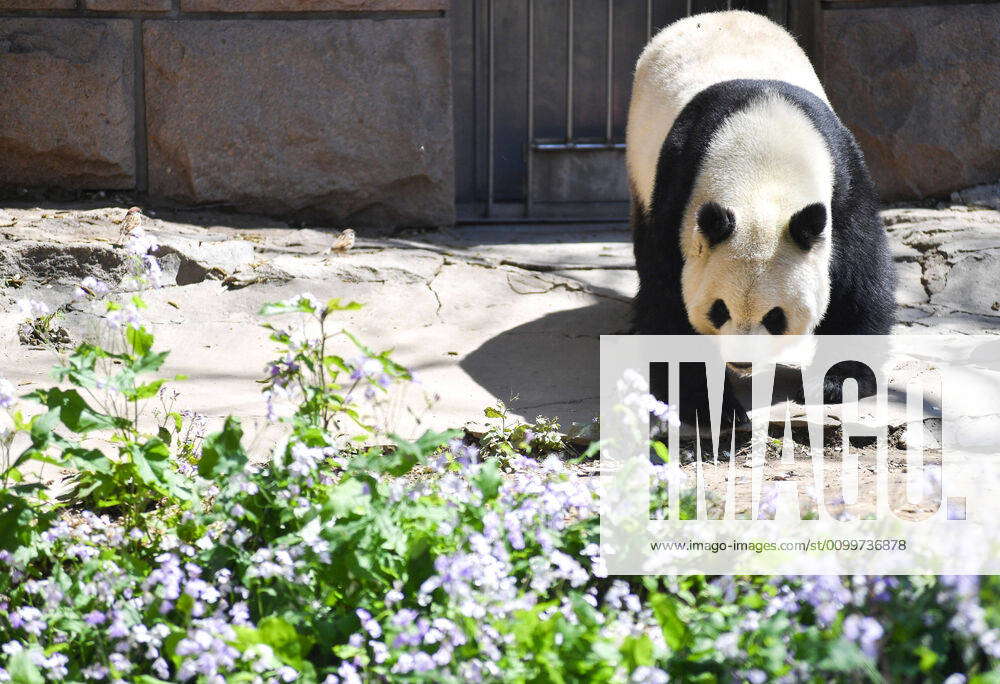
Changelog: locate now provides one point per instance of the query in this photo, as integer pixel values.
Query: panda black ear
(806, 225)
(715, 223)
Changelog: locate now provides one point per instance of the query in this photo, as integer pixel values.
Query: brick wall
(336, 109)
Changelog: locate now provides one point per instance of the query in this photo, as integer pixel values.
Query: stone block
(67, 111)
(128, 5)
(348, 121)
(313, 5)
(917, 86)
(37, 4)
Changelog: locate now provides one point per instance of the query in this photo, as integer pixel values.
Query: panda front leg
(692, 403)
(839, 373)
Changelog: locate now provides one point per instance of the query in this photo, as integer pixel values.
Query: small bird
(343, 243)
(132, 220)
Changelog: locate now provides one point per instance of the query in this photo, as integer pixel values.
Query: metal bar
(690, 7)
(476, 85)
(569, 70)
(649, 19)
(577, 146)
(528, 161)
(609, 83)
(490, 119)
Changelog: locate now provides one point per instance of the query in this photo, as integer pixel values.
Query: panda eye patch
(775, 321)
(718, 314)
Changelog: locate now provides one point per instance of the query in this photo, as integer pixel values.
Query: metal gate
(541, 91)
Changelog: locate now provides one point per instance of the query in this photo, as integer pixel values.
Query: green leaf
(637, 651)
(345, 498)
(928, 658)
(22, 670)
(76, 414)
(295, 305)
(88, 460)
(408, 454)
(492, 412)
(148, 390)
(675, 632)
(286, 642)
(357, 343)
(661, 450)
(488, 480)
(149, 362)
(845, 656)
(42, 426)
(222, 452)
(139, 340)
(151, 461)
(335, 305)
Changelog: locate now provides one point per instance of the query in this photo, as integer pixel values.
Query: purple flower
(365, 367)
(466, 454)
(348, 674)
(7, 400)
(95, 671)
(369, 624)
(649, 675)
(29, 619)
(95, 617)
(864, 631)
(728, 644)
(32, 308)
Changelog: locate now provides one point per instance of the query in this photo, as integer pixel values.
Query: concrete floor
(479, 313)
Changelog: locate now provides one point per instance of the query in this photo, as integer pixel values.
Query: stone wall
(337, 110)
(920, 88)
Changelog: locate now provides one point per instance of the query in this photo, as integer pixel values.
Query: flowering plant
(176, 558)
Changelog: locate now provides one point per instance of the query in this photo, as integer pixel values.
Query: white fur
(764, 164)
(690, 55)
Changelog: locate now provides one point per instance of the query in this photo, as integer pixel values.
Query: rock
(347, 121)
(70, 264)
(973, 285)
(69, 122)
(129, 5)
(979, 195)
(902, 252)
(909, 286)
(37, 4)
(312, 5)
(914, 85)
(188, 261)
(920, 434)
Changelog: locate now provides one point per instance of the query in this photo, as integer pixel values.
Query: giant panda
(752, 209)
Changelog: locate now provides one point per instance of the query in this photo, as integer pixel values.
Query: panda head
(758, 272)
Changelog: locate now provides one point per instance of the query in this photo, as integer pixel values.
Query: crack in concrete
(567, 402)
(549, 268)
(490, 262)
(568, 287)
(437, 297)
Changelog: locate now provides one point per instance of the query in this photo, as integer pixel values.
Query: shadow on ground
(549, 364)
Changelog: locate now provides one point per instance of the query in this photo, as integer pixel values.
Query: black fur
(806, 225)
(862, 277)
(715, 223)
(718, 314)
(775, 321)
